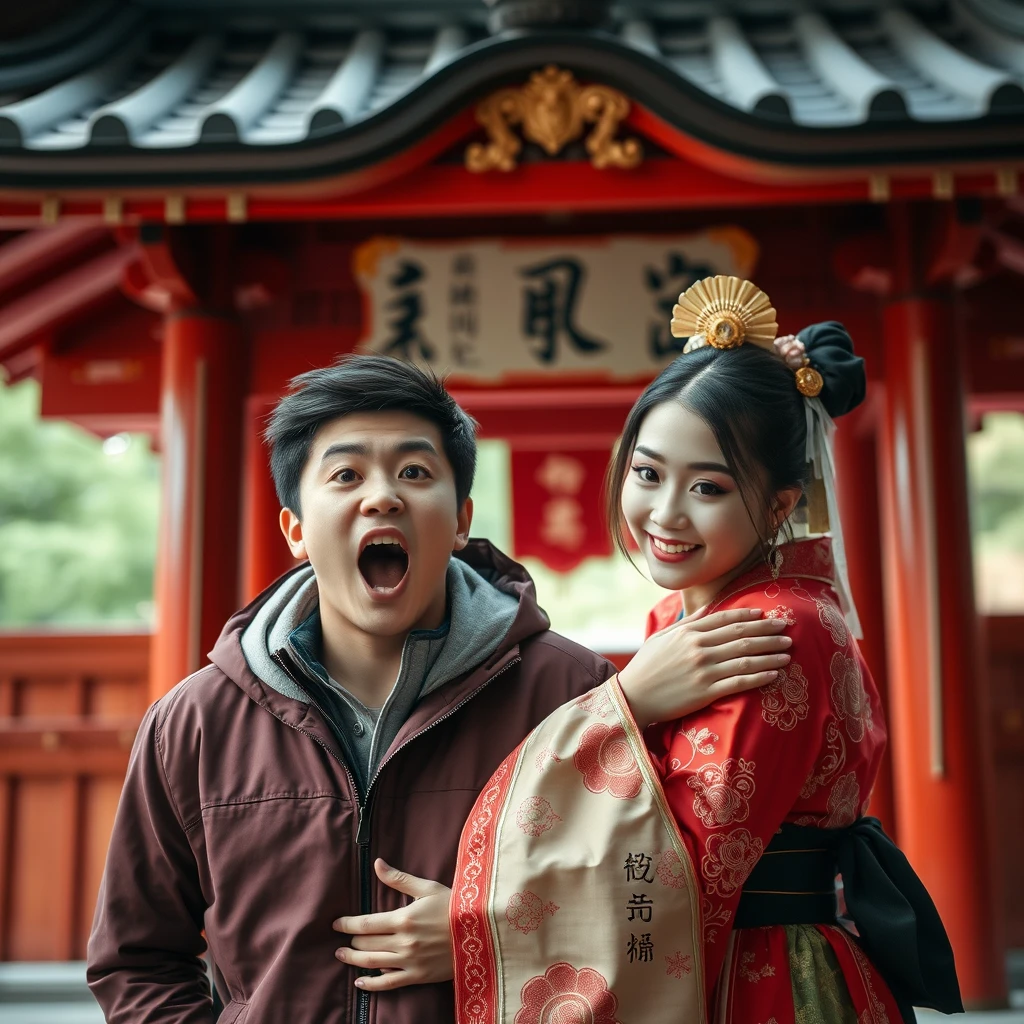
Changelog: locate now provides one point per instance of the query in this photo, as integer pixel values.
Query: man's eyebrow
(343, 448)
(419, 444)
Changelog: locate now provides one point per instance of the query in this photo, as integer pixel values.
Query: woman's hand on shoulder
(696, 661)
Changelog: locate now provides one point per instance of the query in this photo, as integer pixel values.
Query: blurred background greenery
(996, 464)
(78, 521)
(79, 516)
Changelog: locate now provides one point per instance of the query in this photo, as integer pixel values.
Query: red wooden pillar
(203, 379)
(857, 484)
(265, 555)
(940, 757)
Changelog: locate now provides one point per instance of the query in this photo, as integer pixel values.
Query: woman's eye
(645, 473)
(707, 488)
(345, 476)
(413, 473)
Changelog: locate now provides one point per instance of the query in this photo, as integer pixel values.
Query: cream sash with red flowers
(575, 899)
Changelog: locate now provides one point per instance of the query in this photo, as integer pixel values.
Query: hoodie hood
(492, 607)
(288, 604)
(289, 594)
(483, 604)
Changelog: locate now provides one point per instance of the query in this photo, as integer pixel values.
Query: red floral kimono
(804, 750)
(600, 871)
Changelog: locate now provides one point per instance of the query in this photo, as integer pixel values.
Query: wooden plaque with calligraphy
(574, 893)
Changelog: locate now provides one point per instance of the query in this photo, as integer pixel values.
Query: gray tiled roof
(166, 83)
(160, 77)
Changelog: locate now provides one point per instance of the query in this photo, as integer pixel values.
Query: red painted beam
(59, 300)
(449, 190)
(541, 417)
(36, 252)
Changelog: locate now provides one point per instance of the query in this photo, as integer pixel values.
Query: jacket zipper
(365, 805)
(363, 833)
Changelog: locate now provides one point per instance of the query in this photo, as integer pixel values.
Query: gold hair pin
(726, 312)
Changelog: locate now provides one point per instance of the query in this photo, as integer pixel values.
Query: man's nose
(381, 497)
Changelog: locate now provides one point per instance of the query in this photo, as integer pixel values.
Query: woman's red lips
(672, 550)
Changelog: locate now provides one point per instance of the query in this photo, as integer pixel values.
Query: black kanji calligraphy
(463, 318)
(638, 868)
(640, 906)
(407, 339)
(665, 286)
(640, 950)
(549, 309)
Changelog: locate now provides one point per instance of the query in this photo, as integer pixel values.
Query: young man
(352, 712)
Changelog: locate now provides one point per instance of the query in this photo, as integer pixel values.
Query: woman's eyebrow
(649, 452)
(710, 467)
(697, 467)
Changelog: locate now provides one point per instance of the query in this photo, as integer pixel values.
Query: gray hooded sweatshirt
(283, 648)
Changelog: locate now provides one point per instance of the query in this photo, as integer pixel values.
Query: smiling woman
(689, 513)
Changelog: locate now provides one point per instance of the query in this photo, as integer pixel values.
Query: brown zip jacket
(239, 818)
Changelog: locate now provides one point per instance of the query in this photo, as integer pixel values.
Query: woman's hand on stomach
(696, 661)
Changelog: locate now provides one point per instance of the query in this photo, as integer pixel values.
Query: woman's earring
(774, 558)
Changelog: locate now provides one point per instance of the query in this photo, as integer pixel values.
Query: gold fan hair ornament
(726, 312)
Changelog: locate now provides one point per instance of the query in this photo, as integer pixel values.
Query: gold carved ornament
(552, 110)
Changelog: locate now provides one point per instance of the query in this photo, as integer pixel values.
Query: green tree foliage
(78, 524)
(996, 464)
(996, 459)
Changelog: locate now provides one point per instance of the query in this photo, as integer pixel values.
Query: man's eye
(645, 473)
(413, 473)
(707, 488)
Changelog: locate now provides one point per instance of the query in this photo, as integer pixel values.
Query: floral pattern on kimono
(805, 749)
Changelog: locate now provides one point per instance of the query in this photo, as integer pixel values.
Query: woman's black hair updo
(749, 399)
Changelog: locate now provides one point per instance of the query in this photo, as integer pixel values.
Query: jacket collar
(496, 567)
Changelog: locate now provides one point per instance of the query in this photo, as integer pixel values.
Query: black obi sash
(900, 930)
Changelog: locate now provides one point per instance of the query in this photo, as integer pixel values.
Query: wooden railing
(69, 708)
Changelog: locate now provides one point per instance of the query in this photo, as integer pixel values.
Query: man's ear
(291, 527)
(465, 521)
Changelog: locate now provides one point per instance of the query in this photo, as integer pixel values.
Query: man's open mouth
(383, 563)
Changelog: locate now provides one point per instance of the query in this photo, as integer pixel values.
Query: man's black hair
(364, 383)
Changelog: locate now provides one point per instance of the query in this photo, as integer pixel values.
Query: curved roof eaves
(282, 104)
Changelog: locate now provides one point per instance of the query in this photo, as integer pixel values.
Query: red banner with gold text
(557, 505)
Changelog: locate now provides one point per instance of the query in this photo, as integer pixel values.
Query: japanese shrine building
(199, 200)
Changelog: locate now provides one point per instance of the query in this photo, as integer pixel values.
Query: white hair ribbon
(820, 433)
